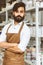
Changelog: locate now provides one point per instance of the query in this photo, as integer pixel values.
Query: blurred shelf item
(28, 62)
(36, 29)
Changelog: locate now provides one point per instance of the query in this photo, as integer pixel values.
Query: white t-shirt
(24, 35)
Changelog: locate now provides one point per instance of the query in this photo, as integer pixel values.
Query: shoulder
(6, 27)
(26, 28)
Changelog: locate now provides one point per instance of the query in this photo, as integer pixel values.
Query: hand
(14, 44)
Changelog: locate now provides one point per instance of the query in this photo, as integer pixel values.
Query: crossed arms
(11, 47)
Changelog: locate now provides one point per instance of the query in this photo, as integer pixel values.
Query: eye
(21, 11)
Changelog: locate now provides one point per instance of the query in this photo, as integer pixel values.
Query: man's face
(19, 14)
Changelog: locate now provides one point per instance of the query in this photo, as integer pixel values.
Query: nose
(19, 13)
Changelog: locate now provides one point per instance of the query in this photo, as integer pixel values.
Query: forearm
(11, 47)
(7, 45)
(15, 49)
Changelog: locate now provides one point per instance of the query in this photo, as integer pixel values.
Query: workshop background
(34, 20)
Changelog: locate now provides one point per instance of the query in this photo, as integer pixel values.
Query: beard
(18, 18)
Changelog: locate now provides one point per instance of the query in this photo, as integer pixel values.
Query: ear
(25, 14)
(13, 13)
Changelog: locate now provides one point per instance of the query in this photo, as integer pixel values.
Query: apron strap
(8, 28)
(21, 27)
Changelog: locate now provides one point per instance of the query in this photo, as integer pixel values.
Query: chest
(13, 29)
(13, 37)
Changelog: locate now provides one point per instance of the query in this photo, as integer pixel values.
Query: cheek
(22, 14)
(15, 14)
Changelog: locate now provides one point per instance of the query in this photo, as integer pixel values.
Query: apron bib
(12, 58)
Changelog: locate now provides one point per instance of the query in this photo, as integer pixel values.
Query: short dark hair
(17, 5)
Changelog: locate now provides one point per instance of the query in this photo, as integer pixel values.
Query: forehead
(21, 8)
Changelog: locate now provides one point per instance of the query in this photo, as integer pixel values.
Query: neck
(15, 23)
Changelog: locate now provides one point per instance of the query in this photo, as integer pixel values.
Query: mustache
(18, 16)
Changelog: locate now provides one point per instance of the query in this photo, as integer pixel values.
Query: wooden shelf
(32, 9)
(33, 25)
(7, 8)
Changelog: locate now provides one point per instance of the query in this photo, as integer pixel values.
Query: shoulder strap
(19, 30)
(8, 28)
(21, 27)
